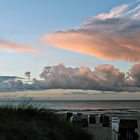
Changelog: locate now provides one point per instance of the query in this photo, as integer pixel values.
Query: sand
(104, 133)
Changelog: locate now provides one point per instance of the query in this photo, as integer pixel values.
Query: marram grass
(28, 123)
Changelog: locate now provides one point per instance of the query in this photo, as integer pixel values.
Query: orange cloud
(114, 35)
(14, 47)
(115, 47)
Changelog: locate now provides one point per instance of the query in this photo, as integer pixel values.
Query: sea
(96, 106)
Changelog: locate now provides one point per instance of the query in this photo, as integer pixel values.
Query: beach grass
(28, 123)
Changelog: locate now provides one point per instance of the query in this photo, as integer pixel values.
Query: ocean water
(83, 105)
(93, 105)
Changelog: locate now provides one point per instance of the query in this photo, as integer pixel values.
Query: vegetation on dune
(27, 123)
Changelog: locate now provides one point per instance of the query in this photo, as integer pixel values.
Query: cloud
(14, 47)
(134, 75)
(103, 77)
(114, 35)
(11, 83)
(16, 84)
(5, 78)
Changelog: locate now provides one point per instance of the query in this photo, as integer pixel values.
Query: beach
(128, 110)
(121, 109)
(100, 132)
(105, 133)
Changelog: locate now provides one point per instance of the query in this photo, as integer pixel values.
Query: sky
(24, 22)
(55, 42)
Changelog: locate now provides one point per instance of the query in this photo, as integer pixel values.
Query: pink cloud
(114, 35)
(114, 47)
(60, 76)
(14, 47)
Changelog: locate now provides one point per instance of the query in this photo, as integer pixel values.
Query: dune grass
(28, 123)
